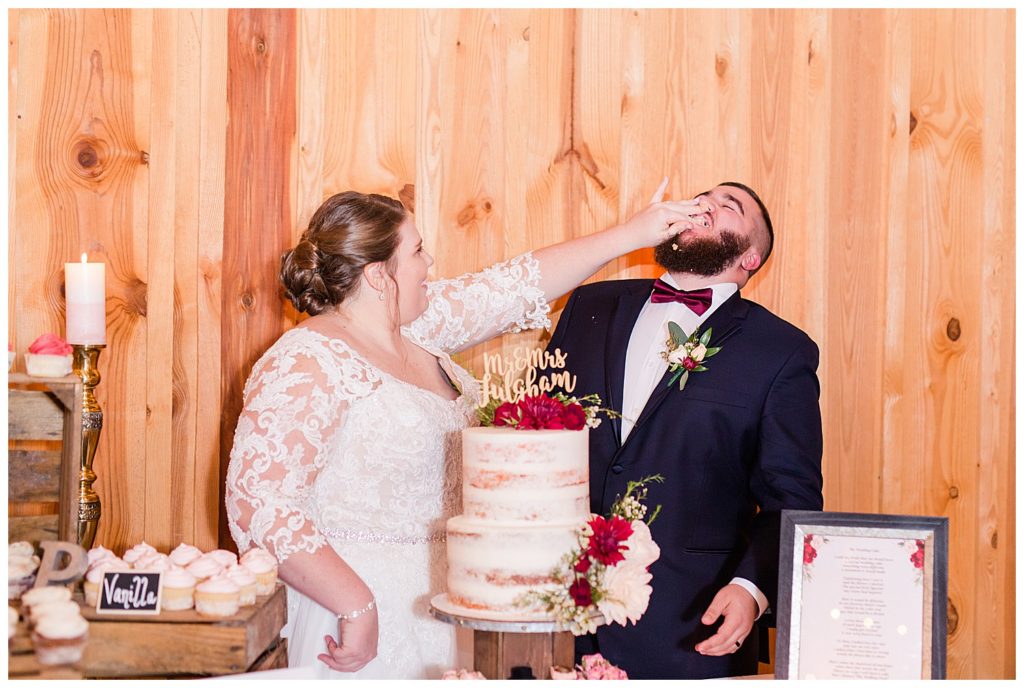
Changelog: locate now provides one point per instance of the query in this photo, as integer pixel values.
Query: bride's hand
(358, 644)
(662, 220)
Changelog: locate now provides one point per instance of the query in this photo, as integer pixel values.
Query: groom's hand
(740, 611)
(358, 644)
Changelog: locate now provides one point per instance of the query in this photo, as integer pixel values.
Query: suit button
(616, 469)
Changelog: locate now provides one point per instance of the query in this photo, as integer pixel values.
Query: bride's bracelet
(352, 616)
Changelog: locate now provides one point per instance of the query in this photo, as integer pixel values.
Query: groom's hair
(766, 240)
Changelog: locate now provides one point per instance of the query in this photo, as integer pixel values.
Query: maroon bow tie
(698, 300)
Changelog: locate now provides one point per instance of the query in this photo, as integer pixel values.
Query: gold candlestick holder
(84, 364)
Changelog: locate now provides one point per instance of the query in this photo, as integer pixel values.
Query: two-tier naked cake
(525, 494)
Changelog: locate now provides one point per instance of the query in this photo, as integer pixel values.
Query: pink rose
(689, 363)
(595, 667)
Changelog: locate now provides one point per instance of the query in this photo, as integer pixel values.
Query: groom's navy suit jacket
(741, 442)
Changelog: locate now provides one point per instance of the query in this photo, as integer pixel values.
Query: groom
(739, 443)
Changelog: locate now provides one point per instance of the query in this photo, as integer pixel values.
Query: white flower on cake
(641, 549)
(626, 592)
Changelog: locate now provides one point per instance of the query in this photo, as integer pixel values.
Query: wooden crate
(185, 643)
(44, 449)
(171, 645)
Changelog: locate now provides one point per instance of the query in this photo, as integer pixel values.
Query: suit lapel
(620, 327)
(726, 321)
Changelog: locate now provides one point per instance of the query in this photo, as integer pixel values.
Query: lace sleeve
(467, 310)
(293, 404)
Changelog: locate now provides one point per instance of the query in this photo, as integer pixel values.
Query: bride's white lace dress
(331, 451)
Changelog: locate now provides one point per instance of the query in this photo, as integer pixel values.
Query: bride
(346, 457)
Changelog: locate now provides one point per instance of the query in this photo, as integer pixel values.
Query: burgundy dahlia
(609, 539)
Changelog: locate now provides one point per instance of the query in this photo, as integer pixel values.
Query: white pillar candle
(85, 290)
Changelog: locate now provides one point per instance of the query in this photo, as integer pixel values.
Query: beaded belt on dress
(360, 536)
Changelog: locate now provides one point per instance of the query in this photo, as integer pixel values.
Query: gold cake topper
(523, 374)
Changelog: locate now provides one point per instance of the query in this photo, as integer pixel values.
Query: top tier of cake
(525, 476)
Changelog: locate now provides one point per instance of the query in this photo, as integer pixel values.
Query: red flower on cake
(608, 539)
(541, 413)
(506, 414)
(574, 417)
(580, 592)
(582, 565)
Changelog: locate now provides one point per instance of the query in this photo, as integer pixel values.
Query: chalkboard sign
(129, 592)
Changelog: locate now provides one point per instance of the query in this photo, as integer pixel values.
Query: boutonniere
(686, 355)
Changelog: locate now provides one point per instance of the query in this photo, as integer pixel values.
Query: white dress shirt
(645, 367)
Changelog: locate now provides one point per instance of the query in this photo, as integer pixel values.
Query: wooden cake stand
(501, 641)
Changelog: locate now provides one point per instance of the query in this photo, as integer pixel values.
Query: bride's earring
(380, 295)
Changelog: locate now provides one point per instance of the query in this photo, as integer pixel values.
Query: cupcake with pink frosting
(183, 554)
(246, 581)
(94, 577)
(264, 565)
(98, 554)
(204, 567)
(137, 552)
(217, 596)
(178, 588)
(64, 607)
(42, 595)
(226, 558)
(59, 638)
(21, 574)
(48, 356)
(154, 561)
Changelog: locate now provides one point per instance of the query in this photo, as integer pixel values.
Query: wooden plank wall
(187, 149)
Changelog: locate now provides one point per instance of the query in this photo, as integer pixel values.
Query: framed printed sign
(861, 596)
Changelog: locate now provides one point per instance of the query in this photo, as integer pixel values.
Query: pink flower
(608, 539)
(689, 363)
(595, 667)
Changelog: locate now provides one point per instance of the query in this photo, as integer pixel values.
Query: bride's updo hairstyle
(348, 231)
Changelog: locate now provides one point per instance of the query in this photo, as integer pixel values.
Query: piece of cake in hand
(264, 565)
(48, 356)
(218, 596)
(178, 589)
(60, 638)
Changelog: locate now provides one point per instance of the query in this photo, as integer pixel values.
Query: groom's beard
(704, 256)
